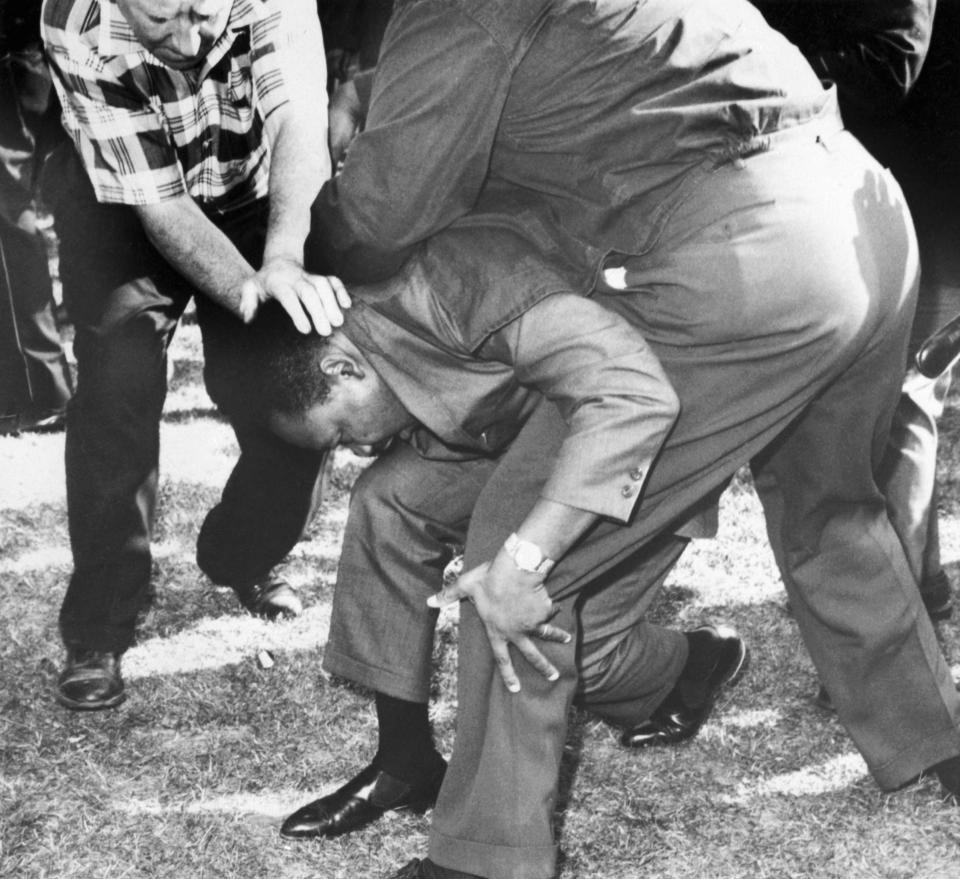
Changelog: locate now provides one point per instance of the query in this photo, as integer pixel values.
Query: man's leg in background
(275, 488)
(124, 302)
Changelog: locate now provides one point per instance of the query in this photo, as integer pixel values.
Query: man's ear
(337, 365)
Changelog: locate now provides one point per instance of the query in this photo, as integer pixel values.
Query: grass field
(191, 777)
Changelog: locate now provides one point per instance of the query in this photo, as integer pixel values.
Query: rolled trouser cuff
(493, 861)
(381, 680)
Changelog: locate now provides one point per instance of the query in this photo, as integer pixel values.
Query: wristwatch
(527, 556)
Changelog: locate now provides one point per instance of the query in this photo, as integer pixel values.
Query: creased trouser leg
(851, 588)
(751, 329)
(405, 513)
(495, 812)
(908, 473)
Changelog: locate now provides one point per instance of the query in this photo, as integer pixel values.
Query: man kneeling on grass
(566, 439)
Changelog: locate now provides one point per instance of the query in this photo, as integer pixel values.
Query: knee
(122, 370)
(375, 493)
(597, 668)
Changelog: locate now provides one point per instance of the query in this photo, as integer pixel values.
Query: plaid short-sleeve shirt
(147, 132)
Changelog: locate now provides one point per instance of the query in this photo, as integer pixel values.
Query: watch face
(528, 557)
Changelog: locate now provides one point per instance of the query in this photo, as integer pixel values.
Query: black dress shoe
(90, 680)
(361, 801)
(948, 772)
(411, 870)
(271, 598)
(426, 869)
(718, 657)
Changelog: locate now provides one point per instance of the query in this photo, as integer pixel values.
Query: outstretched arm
(618, 406)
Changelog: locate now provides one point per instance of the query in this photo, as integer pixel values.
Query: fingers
(529, 651)
(326, 302)
(547, 632)
(251, 295)
(501, 655)
(287, 296)
(448, 595)
(540, 662)
(340, 291)
(314, 302)
(317, 300)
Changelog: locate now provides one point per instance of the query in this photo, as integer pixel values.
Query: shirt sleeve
(288, 61)
(121, 136)
(421, 160)
(610, 390)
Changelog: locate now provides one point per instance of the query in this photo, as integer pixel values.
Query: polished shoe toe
(720, 660)
(426, 869)
(90, 681)
(412, 870)
(271, 598)
(361, 801)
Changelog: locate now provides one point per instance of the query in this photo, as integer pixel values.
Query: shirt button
(627, 490)
(636, 474)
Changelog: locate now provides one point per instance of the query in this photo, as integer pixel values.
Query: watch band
(527, 556)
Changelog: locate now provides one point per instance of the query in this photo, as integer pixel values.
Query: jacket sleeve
(422, 158)
(610, 389)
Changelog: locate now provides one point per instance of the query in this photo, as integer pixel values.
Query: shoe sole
(73, 705)
(416, 808)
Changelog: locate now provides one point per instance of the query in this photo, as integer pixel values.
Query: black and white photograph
(479, 439)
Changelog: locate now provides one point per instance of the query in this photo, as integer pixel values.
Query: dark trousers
(34, 379)
(125, 301)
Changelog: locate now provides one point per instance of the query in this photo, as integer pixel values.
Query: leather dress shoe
(34, 421)
(719, 661)
(412, 870)
(361, 801)
(426, 869)
(948, 773)
(90, 680)
(270, 598)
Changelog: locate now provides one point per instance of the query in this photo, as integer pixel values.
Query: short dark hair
(267, 366)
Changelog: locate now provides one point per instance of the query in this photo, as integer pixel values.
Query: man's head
(316, 392)
(178, 32)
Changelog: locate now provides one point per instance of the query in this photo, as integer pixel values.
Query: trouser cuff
(380, 680)
(103, 639)
(493, 861)
(908, 764)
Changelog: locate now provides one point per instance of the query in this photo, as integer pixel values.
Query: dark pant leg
(268, 501)
(406, 513)
(124, 302)
(627, 665)
(275, 488)
(33, 362)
